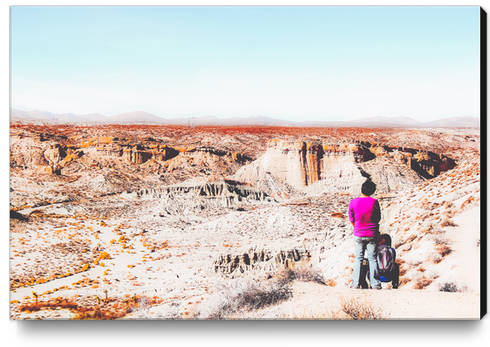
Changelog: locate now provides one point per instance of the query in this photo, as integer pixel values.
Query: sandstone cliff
(341, 167)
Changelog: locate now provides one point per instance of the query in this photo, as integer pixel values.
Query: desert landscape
(161, 221)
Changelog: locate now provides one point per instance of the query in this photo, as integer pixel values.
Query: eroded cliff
(342, 166)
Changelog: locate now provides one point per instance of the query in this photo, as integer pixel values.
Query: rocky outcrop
(220, 189)
(146, 153)
(303, 164)
(426, 163)
(55, 153)
(260, 260)
(289, 167)
(141, 153)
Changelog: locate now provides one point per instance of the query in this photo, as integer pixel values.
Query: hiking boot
(395, 286)
(377, 288)
(352, 287)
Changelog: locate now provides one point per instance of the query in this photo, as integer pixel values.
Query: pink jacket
(365, 213)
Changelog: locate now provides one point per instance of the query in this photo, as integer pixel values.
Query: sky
(288, 62)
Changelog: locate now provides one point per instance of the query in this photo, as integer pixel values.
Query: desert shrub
(400, 261)
(440, 241)
(403, 281)
(424, 282)
(171, 311)
(245, 295)
(451, 287)
(82, 309)
(33, 307)
(439, 231)
(358, 310)
(448, 223)
(411, 238)
(444, 250)
(436, 258)
(402, 268)
(304, 274)
(399, 244)
(141, 309)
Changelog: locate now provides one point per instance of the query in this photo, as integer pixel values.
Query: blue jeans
(360, 245)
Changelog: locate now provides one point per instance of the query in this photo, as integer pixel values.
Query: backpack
(386, 259)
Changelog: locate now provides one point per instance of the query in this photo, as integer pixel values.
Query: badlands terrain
(220, 222)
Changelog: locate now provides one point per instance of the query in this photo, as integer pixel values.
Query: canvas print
(245, 162)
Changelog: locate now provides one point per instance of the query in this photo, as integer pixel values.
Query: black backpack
(386, 259)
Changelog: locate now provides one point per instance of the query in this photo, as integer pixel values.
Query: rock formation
(343, 166)
(262, 261)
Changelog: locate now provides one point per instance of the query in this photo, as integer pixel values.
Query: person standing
(364, 215)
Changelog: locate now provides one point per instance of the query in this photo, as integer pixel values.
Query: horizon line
(246, 117)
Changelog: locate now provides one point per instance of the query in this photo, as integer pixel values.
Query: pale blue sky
(295, 63)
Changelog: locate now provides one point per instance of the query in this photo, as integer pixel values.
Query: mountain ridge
(255, 120)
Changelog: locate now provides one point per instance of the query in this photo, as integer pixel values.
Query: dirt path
(466, 254)
(317, 301)
(394, 304)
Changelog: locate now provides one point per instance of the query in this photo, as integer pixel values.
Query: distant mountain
(461, 122)
(136, 117)
(257, 120)
(62, 117)
(95, 117)
(403, 121)
(406, 120)
(144, 117)
(19, 114)
(67, 118)
(232, 121)
(36, 114)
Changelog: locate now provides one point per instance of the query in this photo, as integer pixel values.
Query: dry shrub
(403, 271)
(303, 274)
(467, 202)
(399, 244)
(440, 241)
(330, 283)
(402, 268)
(444, 250)
(403, 281)
(141, 309)
(436, 258)
(411, 238)
(240, 295)
(448, 223)
(407, 248)
(34, 307)
(451, 287)
(108, 310)
(439, 231)
(358, 310)
(423, 282)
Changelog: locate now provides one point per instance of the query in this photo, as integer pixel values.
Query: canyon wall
(343, 166)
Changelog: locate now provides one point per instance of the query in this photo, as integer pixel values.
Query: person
(364, 215)
(392, 276)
